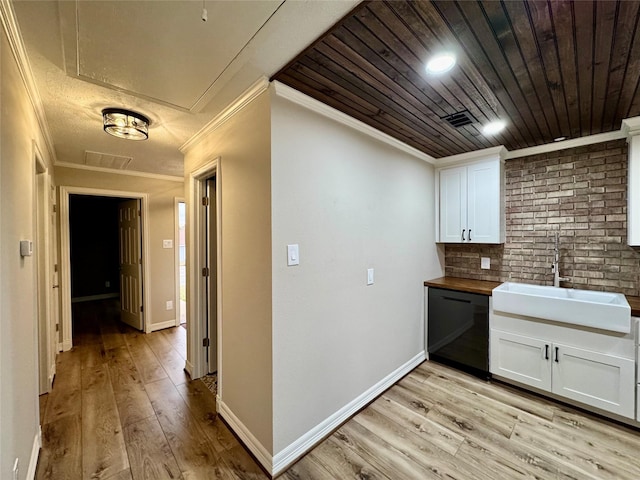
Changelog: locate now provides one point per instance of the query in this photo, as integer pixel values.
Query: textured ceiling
(158, 58)
(548, 68)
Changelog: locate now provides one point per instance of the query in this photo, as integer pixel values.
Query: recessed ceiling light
(494, 127)
(559, 139)
(440, 63)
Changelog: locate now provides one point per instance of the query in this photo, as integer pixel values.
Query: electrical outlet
(485, 263)
(169, 304)
(16, 469)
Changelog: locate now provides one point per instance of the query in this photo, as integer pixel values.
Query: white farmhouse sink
(602, 310)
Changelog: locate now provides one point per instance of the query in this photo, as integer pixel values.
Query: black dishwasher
(458, 330)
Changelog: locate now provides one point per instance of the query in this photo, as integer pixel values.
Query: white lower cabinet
(593, 378)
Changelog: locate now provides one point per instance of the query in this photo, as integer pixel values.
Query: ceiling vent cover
(106, 160)
(459, 119)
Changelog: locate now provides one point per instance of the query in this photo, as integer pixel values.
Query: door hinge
(141, 309)
(205, 201)
(55, 268)
(206, 342)
(57, 327)
(55, 208)
(205, 272)
(139, 213)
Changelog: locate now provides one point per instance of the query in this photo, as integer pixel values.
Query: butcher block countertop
(484, 287)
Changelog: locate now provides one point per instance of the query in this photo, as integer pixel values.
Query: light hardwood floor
(122, 408)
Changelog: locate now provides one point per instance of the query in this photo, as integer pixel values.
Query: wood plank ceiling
(548, 68)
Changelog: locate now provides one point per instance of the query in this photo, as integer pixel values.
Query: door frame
(196, 364)
(47, 342)
(176, 244)
(65, 254)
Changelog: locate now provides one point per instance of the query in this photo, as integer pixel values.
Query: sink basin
(602, 310)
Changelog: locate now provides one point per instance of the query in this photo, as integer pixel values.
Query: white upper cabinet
(471, 203)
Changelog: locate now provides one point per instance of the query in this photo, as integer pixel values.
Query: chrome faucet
(555, 267)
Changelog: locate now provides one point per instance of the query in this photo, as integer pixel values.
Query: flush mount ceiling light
(440, 63)
(494, 127)
(125, 124)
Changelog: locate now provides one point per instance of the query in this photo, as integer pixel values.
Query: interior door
(211, 278)
(130, 263)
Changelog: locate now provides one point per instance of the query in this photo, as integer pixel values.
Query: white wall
(19, 414)
(242, 145)
(351, 203)
(162, 194)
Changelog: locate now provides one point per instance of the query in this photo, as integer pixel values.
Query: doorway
(181, 262)
(139, 245)
(204, 267)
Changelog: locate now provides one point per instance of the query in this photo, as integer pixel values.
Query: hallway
(123, 408)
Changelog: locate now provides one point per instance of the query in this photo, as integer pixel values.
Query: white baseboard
(66, 345)
(286, 457)
(35, 452)
(188, 366)
(91, 298)
(162, 325)
(251, 442)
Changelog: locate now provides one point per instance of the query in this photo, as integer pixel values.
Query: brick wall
(580, 193)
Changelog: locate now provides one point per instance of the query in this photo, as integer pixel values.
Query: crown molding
(491, 152)
(630, 127)
(572, 143)
(293, 95)
(250, 94)
(131, 173)
(10, 25)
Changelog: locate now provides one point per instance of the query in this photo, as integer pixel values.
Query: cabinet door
(603, 381)
(453, 205)
(523, 359)
(483, 203)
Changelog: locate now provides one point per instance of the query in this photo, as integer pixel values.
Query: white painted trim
(250, 94)
(195, 254)
(176, 252)
(293, 95)
(630, 126)
(472, 157)
(154, 327)
(91, 298)
(306, 442)
(131, 173)
(10, 24)
(65, 255)
(571, 143)
(35, 453)
(188, 366)
(251, 442)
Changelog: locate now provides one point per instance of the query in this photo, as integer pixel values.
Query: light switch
(169, 304)
(370, 276)
(485, 263)
(26, 248)
(293, 255)
(167, 243)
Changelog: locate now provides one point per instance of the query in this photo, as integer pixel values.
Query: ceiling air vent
(106, 160)
(459, 119)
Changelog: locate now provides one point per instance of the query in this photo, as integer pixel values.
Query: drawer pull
(557, 356)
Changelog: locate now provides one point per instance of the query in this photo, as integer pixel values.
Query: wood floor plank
(500, 392)
(343, 462)
(305, 469)
(123, 475)
(177, 337)
(42, 406)
(193, 452)
(380, 453)
(61, 455)
(202, 405)
(103, 449)
(590, 461)
(173, 364)
(438, 462)
(90, 355)
(65, 397)
(487, 438)
(131, 397)
(150, 455)
(240, 465)
(408, 399)
(144, 359)
(431, 432)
